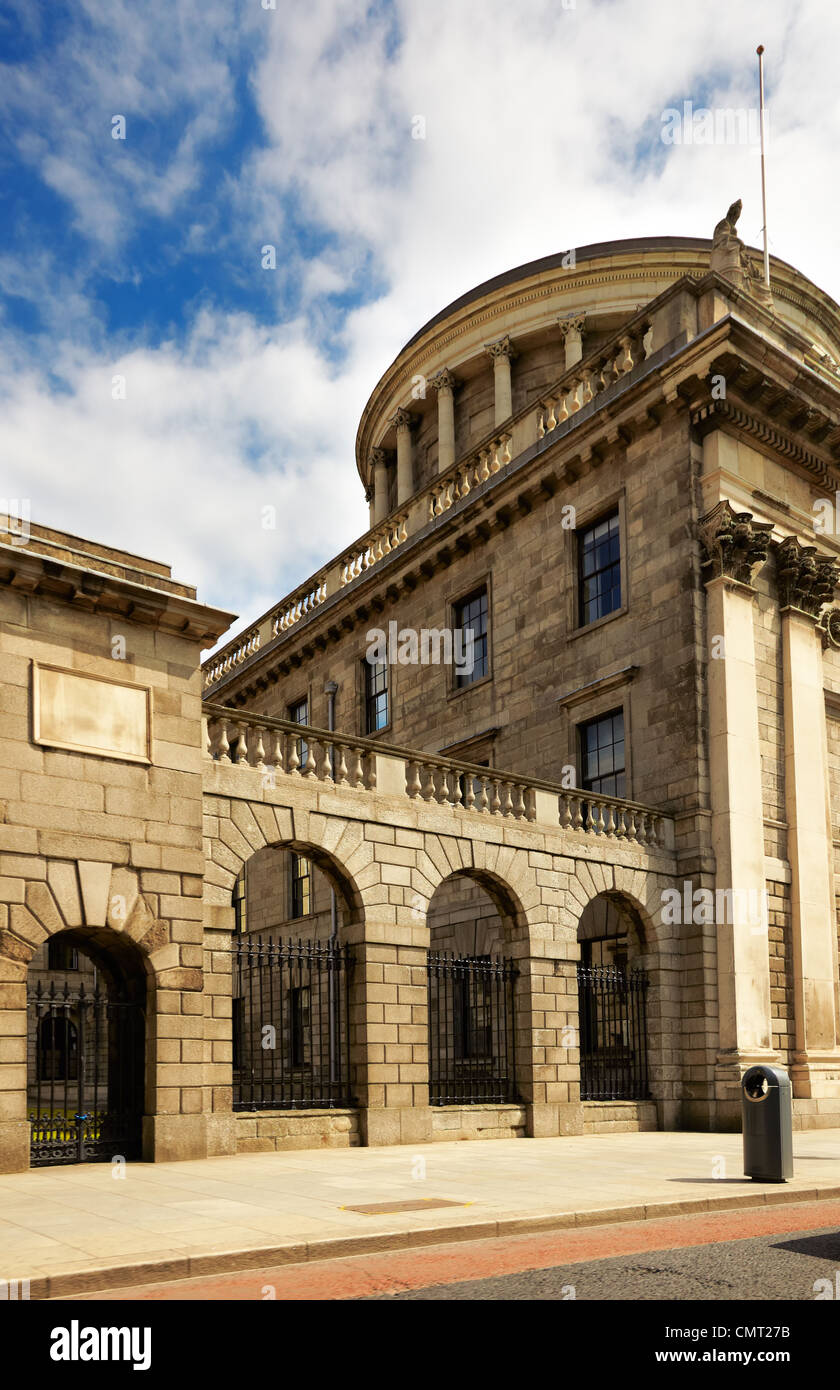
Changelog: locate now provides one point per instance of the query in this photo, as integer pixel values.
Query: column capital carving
(444, 380)
(733, 544)
(806, 580)
(571, 323)
(402, 419)
(378, 458)
(502, 348)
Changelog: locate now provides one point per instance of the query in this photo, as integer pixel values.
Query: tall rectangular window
(301, 886)
(299, 1023)
(61, 955)
(599, 569)
(602, 754)
(299, 714)
(376, 695)
(471, 616)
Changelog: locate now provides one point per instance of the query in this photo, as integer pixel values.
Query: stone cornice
(712, 413)
(27, 571)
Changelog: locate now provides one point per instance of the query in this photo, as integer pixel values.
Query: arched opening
(86, 1039)
(472, 1053)
(612, 1002)
(291, 974)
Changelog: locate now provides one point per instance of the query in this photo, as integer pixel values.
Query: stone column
(502, 353)
(379, 466)
(733, 546)
(389, 1037)
(444, 384)
(806, 581)
(402, 421)
(571, 329)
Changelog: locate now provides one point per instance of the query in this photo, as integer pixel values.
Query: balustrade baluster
(495, 800)
(506, 799)
(341, 768)
(259, 748)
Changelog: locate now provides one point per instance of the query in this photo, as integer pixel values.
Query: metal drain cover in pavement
(383, 1208)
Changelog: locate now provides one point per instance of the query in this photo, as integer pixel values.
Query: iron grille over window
(602, 754)
(599, 569)
(291, 1023)
(376, 695)
(301, 873)
(471, 618)
(613, 1033)
(471, 1030)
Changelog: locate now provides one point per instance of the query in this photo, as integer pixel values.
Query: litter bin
(768, 1124)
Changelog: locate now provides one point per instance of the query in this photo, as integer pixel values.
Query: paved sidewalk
(74, 1229)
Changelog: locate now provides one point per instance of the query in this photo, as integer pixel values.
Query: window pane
(599, 574)
(471, 623)
(602, 754)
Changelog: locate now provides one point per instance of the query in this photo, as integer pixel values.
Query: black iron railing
(291, 1025)
(471, 1030)
(613, 1033)
(85, 1083)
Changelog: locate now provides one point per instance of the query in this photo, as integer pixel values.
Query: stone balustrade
(303, 601)
(575, 389)
(606, 815)
(232, 655)
(373, 547)
(282, 748)
(592, 376)
(468, 475)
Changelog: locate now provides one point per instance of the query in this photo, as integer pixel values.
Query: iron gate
(85, 1091)
(472, 1036)
(613, 1033)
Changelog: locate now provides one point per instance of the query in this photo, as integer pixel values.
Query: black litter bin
(768, 1124)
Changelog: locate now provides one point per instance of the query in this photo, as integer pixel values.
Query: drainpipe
(331, 690)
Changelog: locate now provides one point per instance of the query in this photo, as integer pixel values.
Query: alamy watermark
(719, 125)
(425, 646)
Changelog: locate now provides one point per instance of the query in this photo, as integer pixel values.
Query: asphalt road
(785, 1267)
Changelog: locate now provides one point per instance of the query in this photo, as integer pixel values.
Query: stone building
(554, 850)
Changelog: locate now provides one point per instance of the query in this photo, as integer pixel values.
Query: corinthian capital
(402, 419)
(733, 544)
(377, 458)
(443, 380)
(503, 347)
(571, 323)
(806, 580)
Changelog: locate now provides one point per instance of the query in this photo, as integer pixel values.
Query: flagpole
(760, 52)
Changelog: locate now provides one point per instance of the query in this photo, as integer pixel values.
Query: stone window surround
(578, 707)
(453, 595)
(600, 509)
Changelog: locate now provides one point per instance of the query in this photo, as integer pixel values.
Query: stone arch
(638, 892)
(334, 844)
(456, 894)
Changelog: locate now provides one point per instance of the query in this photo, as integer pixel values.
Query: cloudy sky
(249, 126)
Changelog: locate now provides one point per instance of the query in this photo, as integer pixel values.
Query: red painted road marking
(393, 1272)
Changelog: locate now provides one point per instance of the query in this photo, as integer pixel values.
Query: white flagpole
(760, 52)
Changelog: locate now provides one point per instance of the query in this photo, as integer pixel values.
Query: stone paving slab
(78, 1228)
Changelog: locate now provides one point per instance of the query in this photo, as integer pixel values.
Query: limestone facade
(649, 386)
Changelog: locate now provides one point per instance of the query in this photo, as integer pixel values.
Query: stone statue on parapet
(731, 259)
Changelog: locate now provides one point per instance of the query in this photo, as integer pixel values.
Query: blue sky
(247, 126)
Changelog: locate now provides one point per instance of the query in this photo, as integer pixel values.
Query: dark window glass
(61, 955)
(376, 695)
(599, 569)
(58, 1049)
(240, 903)
(299, 1023)
(471, 617)
(602, 754)
(471, 1007)
(301, 886)
(299, 714)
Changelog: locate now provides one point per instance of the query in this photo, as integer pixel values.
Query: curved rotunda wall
(608, 283)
